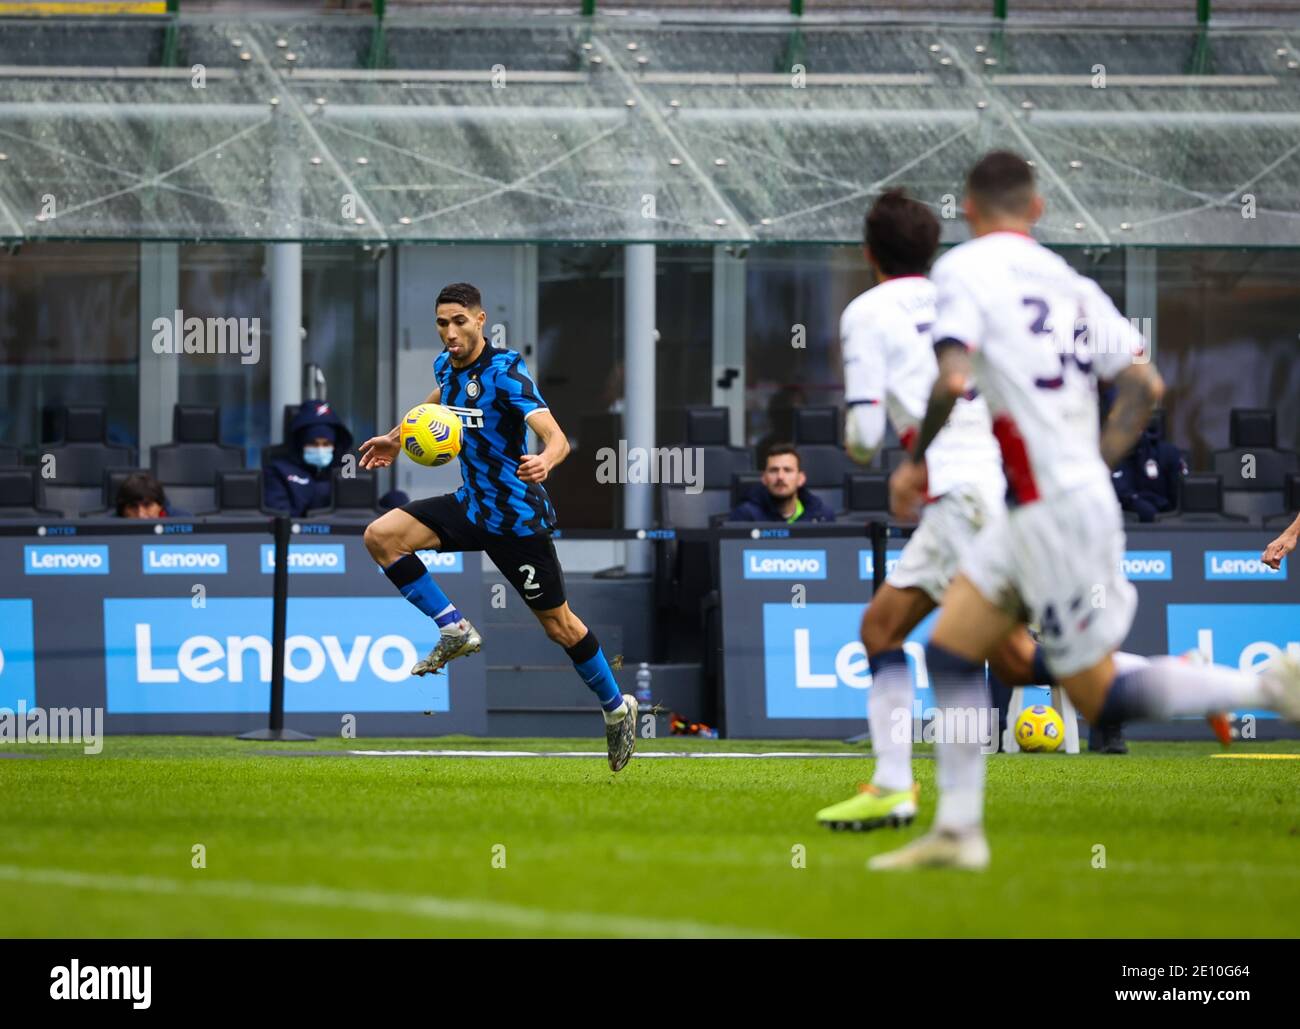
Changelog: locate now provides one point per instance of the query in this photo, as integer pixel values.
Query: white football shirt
(889, 361)
(1040, 335)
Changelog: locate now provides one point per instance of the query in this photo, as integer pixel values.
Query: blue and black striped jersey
(493, 396)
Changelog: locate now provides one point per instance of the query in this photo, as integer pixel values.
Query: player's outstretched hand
(533, 468)
(1278, 549)
(379, 451)
(907, 490)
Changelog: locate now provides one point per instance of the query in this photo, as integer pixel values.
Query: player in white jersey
(889, 371)
(1035, 335)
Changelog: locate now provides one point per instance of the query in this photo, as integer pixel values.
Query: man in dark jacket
(1149, 477)
(302, 480)
(782, 496)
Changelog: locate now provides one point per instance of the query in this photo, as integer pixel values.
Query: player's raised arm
(908, 483)
(555, 447)
(1120, 354)
(381, 451)
(864, 389)
(517, 385)
(959, 325)
(1138, 388)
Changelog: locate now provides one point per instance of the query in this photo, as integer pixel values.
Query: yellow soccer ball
(1040, 729)
(431, 435)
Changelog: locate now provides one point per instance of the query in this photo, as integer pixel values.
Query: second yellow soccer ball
(431, 435)
(1040, 729)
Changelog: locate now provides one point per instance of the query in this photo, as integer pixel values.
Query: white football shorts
(947, 528)
(1058, 563)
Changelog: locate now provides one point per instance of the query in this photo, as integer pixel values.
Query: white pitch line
(595, 753)
(422, 905)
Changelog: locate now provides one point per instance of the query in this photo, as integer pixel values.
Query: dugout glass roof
(618, 129)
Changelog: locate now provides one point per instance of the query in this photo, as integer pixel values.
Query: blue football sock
(590, 662)
(1000, 694)
(1042, 674)
(410, 576)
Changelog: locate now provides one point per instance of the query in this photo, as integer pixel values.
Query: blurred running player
(501, 509)
(889, 371)
(1036, 335)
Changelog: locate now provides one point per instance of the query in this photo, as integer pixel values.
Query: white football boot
(939, 848)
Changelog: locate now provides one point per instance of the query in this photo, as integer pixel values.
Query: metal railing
(589, 8)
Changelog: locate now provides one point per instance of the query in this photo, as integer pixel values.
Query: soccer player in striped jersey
(1035, 336)
(501, 509)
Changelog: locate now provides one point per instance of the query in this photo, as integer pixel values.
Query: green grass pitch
(104, 845)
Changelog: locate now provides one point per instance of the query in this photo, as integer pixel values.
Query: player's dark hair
(901, 233)
(460, 293)
(782, 448)
(1001, 182)
(139, 488)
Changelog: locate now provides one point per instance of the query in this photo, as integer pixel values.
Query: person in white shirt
(889, 371)
(1034, 336)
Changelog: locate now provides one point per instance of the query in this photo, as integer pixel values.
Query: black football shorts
(528, 562)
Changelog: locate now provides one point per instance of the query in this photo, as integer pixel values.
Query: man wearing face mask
(301, 480)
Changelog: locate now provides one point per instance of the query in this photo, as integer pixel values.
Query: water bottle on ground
(643, 684)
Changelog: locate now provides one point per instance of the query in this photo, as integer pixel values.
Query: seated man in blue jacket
(302, 480)
(782, 496)
(1149, 478)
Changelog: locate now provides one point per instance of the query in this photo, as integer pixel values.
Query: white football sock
(1169, 687)
(889, 714)
(963, 701)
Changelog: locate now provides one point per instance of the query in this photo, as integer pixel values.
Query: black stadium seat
(355, 495)
(1202, 502)
(890, 458)
(866, 497)
(1254, 470)
(113, 479)
(1291, 505)
(18, 495)
(10, 457)
(188, 466)
(80, 458)
(741, 484)
(709, 428)
(239, 492)
(817, 437)
(679, 509)
(284, 448)
(706, 429)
